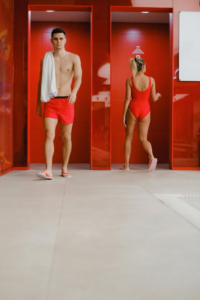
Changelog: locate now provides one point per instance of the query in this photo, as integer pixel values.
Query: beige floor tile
(23, 283)
(29, 219)
(195, 202)
(130, 281)
(98, 235)
(27, 248)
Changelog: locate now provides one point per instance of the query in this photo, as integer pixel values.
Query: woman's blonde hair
(136, 65)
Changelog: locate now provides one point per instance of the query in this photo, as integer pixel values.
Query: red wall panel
(78, 41)
(182, 146)
(101, 158)
(6, 85)
(20, 85)
(153, 40)
(186, 105)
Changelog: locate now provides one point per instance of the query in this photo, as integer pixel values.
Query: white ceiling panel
(62, 16)
(138, 17)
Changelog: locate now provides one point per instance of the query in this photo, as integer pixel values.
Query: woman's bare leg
(130, 122)
(143, 127)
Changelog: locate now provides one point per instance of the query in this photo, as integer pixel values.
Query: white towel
(48, 86)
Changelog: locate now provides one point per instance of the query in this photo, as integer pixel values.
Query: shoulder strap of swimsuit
(149, 82)
(132, 81)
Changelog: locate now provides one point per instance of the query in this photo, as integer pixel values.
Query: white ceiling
(84, 16)
(138, 17)
(62, 16)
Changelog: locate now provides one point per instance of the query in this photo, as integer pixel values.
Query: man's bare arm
(78, 79)
(39, 107)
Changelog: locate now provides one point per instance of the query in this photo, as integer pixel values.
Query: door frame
(36, 7)
(171, 36)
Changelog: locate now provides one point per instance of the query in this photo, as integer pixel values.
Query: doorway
(77, 25)
(146, 35)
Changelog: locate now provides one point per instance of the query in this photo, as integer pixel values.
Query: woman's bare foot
(125, 168)
(152, 164)
(151, 157)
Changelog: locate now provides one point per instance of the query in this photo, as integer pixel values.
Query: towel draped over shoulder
(48, 86)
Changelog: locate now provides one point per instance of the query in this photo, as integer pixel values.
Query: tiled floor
(100, 235)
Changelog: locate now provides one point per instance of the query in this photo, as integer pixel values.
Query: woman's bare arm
(154, 96)
(126, 100)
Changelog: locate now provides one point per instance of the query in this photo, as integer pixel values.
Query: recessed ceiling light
(145, 12)
(50, 10)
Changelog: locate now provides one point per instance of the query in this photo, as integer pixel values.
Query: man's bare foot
(125, 168)
(45, 175)
(64, 169)
(65, 173)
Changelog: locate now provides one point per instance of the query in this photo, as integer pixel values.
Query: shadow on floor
(140, 167)
(58, 167)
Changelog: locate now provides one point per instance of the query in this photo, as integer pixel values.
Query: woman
(139, 87)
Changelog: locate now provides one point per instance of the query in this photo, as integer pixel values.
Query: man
(65, 65)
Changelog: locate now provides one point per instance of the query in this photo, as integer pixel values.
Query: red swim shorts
(60, 109)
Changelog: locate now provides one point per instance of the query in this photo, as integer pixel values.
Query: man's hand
(39, 110)
(124, 121)
(72, 98)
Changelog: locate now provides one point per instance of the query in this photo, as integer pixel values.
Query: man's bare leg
(130, 121)
(49, 126)
(67, 144)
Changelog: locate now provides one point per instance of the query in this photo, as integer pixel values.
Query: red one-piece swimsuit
(139, 105)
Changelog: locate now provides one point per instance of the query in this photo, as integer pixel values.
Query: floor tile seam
(171, 208)
(96, 184)
(143, 188)
(179, 215)
(192, 205)
(150, 193)
(54, 248)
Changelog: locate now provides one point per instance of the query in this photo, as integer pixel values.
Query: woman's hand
(158, 95)
(124, 121)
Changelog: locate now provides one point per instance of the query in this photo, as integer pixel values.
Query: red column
(100, 154)
(20, 85)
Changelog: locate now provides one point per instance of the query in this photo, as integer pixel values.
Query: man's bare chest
(63, 66)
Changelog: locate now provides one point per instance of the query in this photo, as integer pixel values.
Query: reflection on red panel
(6, 85)
(186, 106)
(153, 40)
(186, 137)
(20, 85)
(185, 145)
(101, 121)
(78, 41)
(101, 86)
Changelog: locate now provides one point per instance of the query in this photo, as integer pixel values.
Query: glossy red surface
(186, 106)
(6, 85)
(185, 138)
(153, 40)
(78, 41)
(20, 85)
(101, 158)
